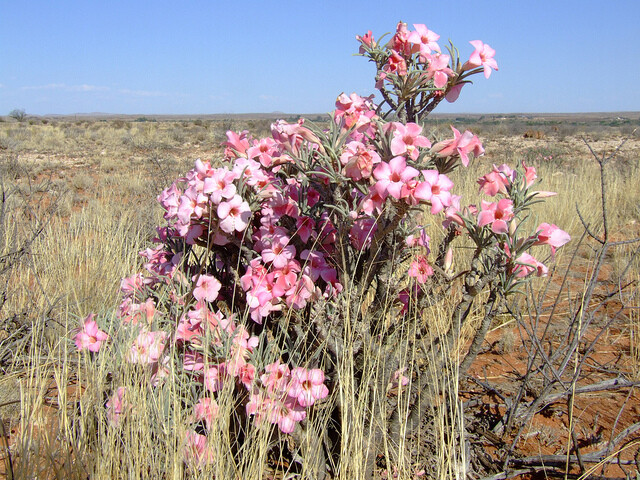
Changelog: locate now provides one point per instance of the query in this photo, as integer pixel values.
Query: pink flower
(207, 288)
(420, 269)
(214, 377)
(483, 56)
(90, 337)
(438, 69)
(407, 139)
(366, 40)
(461, 145)
(526, 265)
(234, 215)
(453, 93)
(147, 347)
(276, 377)
(206, 409)
(196, 449)
(280, 252)
(220, 185)
(396, 64)
(358, 160)
(497, 214)
(307, 386)
(392, 176)
(116, 406)
(424, 39)
(421, 240)
(400, 40)
(550, 234)
(436, 190)
(362, 232)
(494, 182)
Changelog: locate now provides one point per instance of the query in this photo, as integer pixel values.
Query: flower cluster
(254, 243)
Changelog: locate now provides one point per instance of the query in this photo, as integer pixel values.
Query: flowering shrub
(259, 255)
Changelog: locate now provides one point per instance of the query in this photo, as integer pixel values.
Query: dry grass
(91, 186)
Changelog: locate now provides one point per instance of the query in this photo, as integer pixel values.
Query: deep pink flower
(497, 214)
(90, 337)
(396, 64)
(366, 40)
(420, 269)
(483, 56)
(400, 40)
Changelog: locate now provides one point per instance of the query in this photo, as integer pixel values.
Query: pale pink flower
(529, 174)
(483, 56)
(358, 160)
(307, 386)
(392, 176)
(497, 214)
(400, 40)
(398, 379)
(234, 215)
(438, 69)
(214, 377)
(461, 145)
(196, 449)
(205, 410)
(526, 265)
(116, 406)
(407, 139)
(424, 39)
(421, 239)
(276, 377)
(207, 287)
(237, 144)
(147, 347)
(550, 234)
(90, 337)
(453, 93)
(220, 185)
(494, 182)
(280, 252)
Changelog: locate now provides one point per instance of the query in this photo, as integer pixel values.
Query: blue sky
(195, 56)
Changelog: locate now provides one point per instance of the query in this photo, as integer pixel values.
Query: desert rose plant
(291, 278)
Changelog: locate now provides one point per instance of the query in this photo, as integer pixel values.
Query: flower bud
(448, 261)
